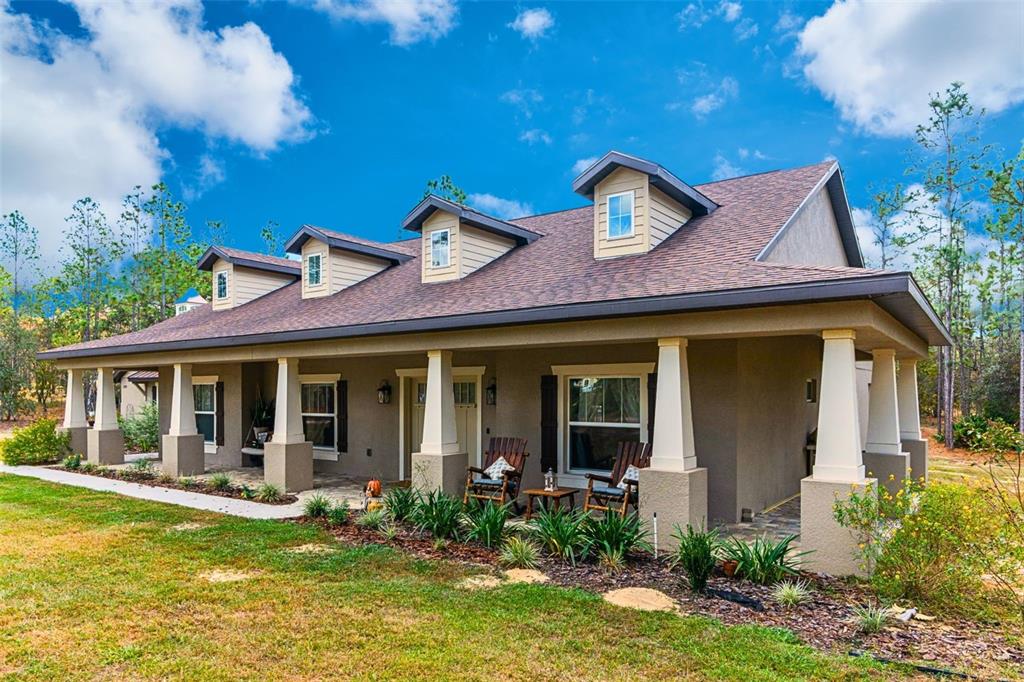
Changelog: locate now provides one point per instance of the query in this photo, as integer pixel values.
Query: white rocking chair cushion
(632, 475)
(499, 467)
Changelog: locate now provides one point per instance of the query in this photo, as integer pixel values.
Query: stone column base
(917, 448)
(677, 497)
(445, 472)
(183, 455)
(834, 548)
(888, 470)
(289, 465)
(78, 438)
(105, 446)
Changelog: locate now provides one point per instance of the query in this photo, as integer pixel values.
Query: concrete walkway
(223, 505)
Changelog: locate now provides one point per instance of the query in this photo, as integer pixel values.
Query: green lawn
(96, 586)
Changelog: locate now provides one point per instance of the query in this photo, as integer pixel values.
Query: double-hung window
(603, 410)
(319, 419)
(620, 215)
(222, 284)
(440, 249)
(314, 270)
(205, 396)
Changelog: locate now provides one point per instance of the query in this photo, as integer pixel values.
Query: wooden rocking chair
(506, 488)
(609, 497)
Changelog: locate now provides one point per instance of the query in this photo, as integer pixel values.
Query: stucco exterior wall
(133, 396)
(715, 402)
(812, 238)
(229, 454)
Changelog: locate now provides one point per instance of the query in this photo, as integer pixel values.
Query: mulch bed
(152, 480)
(826, 622)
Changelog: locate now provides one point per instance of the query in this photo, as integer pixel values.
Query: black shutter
(549, 422)
(652, 395)
(219, 411)
(341, 408)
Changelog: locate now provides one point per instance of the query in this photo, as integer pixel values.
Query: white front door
(467, 408)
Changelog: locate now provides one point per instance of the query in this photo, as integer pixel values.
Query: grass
(97, 586)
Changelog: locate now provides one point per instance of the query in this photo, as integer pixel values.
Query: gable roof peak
(248, 259)
(433, 203)
(658, 176)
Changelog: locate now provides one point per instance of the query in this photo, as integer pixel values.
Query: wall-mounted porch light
(384, 393)
(491, 393)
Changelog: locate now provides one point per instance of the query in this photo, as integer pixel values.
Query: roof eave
(659, 176)
(307, 232)
(417, 216)
(211, 255)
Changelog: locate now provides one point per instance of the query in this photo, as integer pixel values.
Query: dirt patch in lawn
(311, 548)
(226, 575)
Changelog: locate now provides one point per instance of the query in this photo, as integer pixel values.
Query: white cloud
(79, 115)
(534, 136)
(410, 21)
(524, 99)
(728, 89)
(730, 11)
(745, 153)
(533, 24)
(695, 15)
(788, 24)
(583, 164)
(210, 174)
(499, 207)
(745, 29)
(724, 169)
(878, 62)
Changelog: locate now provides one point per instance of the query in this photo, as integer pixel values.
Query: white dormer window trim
(314, 273)
(222, 284)
(440, 249)
(621, 223)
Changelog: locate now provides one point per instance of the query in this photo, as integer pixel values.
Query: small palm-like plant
(338, 514)
(518, 552)
(439, 514)
(611, 560)
(317, 506)
(560, 532)
(220, 481)
(268, 492)
(388, 531)
(401, 503)
(245, 492)
(696, 554)
(486, 523)
(373, 519)
(615, 535)
(764, 561)
(72, 461)
(870, 618)
(791, 593)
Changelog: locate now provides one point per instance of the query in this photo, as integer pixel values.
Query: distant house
(190, 300)
(720, 322)
(137, 389)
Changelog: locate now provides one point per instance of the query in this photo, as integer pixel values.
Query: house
(722, 322)
(137, 389)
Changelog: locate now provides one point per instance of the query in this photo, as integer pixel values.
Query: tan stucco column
(838, 467)
(105, 443)
(440, 462)
(884, 458)
(75, 423)
(911, 441)
(288, 457)
(674, 487)
(182, 452)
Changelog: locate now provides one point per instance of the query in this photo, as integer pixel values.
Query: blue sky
(336, 113)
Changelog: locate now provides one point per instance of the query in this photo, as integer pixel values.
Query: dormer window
(620, 215)
(222, 284)
(440, 249)
(314, 270)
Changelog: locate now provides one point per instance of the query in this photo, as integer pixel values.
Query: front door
(466, 415)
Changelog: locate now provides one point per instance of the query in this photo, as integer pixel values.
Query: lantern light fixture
(384, 393)
(491, 392)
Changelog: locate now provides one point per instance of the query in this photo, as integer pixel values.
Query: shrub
(187, 482)
(560, 532)
(518, 553)
(246, 493)
(968, 431)
(317, 506)
(88, 468)
(440, 544)
(870, 618)
(220, 481)
(696, 554)
(615, 535)
(388, 531)
(72, 461)
(37, 443)
(1001, 437)
(438, 514)
(401, 503)
(268, 492)
(338, 514)
(763, 561)
(612, 560)
(874, 515)
(791, 592)
(486, 523)
(142, 467)
(372, 519)
(142, 429)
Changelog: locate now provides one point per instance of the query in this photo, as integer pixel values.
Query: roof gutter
(888, 284)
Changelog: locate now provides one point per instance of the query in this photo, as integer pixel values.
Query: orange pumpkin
(373, 488)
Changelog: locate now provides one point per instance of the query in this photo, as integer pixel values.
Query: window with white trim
(222, 284)
(620, 215)
(314, 270)
(319, 418)
(440, 248)
(205, 396)
(603, 410)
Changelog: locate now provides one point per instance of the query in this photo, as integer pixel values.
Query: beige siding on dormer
(479, 247)
(351, 268)
(812, 237)
(439, 221)
(311, 247)
(619, 181)
(665, 216)
(227, 302)
(250, 284)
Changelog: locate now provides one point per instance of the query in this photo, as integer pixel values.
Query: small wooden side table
(556, 496)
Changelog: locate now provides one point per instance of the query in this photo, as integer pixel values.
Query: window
(319, 421)
(620, 215)
(440, 249)
(313, 269)
(180, 308)
(465, 392)
(602, 412)
(206, 411)
(222, 284)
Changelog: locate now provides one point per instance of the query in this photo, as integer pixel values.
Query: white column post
(183, 407)
(288, 404)
(883, 420)
(440, 436)
(906, 394)
(74, 403)
(673, 447)
(106, 411)
(838, 455)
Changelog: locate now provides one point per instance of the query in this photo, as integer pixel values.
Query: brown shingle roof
(710, 253)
